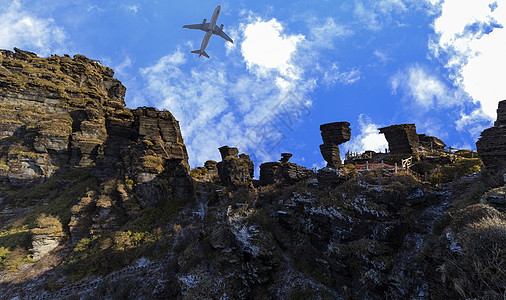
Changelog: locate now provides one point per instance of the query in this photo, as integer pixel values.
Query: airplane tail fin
(200, 53)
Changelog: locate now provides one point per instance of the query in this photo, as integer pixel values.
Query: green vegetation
(57, 75)
(48, 225)
(82, 245)
(14, 235)
(139, 237)
(56, 124)
(153, 162)
(457, 170)
(59, 193)
(349, 171)
(467, 153)
(4, 252)
(199, 171)
(3, 166)
(150, 218)
(15, 259)
(127, 239)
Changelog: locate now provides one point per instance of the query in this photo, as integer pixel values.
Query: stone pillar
(402, 139)
(227, 151)
(334, 134)
(491, 146)
(235, 170)
(285, 157)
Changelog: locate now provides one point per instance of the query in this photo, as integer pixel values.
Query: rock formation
(235, 171)
(46, 236)
(272, 172)
(101, 196)
(212, 170)
(334, 134)
(491, 145)
(59, 112)
(402, 139)
(285, 157)
(431, 142)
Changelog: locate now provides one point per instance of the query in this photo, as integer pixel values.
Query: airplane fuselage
(209, 31)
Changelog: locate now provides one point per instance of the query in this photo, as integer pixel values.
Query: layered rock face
(491, 145)
(282, 171)
(402, 139)
(62, 112)
(334, 134)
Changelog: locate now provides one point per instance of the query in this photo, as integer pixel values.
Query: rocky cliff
(492, 145)
(97, 202)
(63, 112)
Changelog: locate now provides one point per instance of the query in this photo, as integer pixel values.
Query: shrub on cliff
(474, 264)
(457, 170)
(48, 225)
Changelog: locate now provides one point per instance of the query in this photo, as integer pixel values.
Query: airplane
(210, 29)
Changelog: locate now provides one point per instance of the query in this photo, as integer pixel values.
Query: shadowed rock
(491, 145)
(334, 134)
(402, 139)
(431, 142)
(272, 172)
(235, 171)
(227, 151)
(285, 157)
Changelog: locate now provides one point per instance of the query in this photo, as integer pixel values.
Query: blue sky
(294, 65)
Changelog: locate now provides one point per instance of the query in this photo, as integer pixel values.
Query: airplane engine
(221, 27)
(204, 22)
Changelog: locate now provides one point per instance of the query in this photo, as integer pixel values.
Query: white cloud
(20, 29)
(471, 40)
(474, 123)
(265, 47)
(382, 56)
(426, 90)
(251, 100)
(369, 137)
(133, 8)
(218, 103)
(366, 16)
(387, 6)
(323, 34)
(334, 75)
(120, 69)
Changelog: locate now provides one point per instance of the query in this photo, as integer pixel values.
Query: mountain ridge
(98, 201)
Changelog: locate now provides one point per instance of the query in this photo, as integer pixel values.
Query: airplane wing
(221, 33)
(196, 26)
